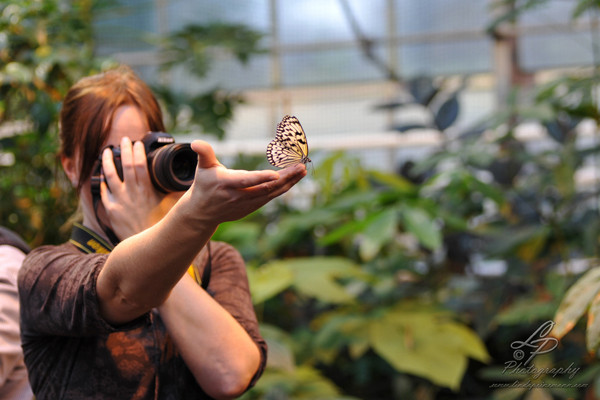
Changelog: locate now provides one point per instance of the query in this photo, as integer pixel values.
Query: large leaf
(593, 325)
(447, 113)
(393, 181)
(420, 224)
(426, 344)
(269, 280)
(378, 232)
(337, 329)
(317, 277)
(576, 302)
(347, 230)
(280, 345)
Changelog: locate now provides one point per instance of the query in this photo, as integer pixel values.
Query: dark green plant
(38, 62)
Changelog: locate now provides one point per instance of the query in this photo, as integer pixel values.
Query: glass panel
(343, 65)
(252, 13)
(226, 73)
(560, 50)
(125, 27)
(551, 12)
(428, 16)
(445, 58)
(314, 21)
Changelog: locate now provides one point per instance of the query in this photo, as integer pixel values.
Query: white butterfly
(289, 146)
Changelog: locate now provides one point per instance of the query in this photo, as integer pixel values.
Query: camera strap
(90, 242)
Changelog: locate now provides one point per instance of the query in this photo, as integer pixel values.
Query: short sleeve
(57, 290)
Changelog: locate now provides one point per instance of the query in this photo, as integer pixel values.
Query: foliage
(580, 297)
(365, 300)
(38, 63)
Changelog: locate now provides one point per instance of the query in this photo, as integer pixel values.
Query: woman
(132, 324)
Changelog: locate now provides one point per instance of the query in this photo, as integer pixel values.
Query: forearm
(141, 271)
(218, 351)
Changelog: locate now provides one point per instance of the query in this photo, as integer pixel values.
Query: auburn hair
(88, 110)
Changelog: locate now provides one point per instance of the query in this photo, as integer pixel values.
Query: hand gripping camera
(172, 166)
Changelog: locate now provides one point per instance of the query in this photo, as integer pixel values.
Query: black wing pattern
(290, 145)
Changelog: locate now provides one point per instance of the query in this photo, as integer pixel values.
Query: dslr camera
(172, 166)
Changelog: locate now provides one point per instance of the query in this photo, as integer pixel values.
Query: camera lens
(184, 165)
(172, 167)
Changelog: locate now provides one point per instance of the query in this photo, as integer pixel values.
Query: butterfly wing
(290, 131)
(282, 155)
(290, 145)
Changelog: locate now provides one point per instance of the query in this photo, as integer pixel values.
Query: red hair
(88, 110)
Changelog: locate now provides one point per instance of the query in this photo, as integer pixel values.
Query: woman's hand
(220, 194)
(132, 204)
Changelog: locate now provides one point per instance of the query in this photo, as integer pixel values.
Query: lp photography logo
(526, 374)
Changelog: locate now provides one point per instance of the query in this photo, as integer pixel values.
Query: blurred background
(451, 212)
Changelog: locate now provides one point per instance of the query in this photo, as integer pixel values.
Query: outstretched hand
(220, 194)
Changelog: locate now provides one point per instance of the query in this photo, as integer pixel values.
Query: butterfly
(289, 146)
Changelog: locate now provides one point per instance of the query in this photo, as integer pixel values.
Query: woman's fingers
(127, 161)
(240, 179)
(109, 169)
(286, 179)
(105, 194)
(206, 154)
(140, 162)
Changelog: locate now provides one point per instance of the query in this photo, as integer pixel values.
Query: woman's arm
(220, 353)
(142, 270)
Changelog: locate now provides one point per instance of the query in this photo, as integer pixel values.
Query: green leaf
(317, 277)
(350, 229)
(420, 224)
(280, 348)
(338, 328)
(269, 280)
(393, 181)
(425, 344)
(593, 325)
(378, 232)
(525, 311)
(576, 302)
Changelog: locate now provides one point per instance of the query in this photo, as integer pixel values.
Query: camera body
(172, 166)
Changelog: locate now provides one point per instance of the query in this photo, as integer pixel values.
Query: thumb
(206, 154)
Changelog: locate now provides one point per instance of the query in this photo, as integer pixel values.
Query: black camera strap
(90, 242)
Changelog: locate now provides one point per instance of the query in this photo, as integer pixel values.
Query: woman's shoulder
(56, 257)
(48, 252)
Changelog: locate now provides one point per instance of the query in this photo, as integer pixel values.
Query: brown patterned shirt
(71, 352)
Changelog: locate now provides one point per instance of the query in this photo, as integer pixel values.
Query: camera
(172, 166)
